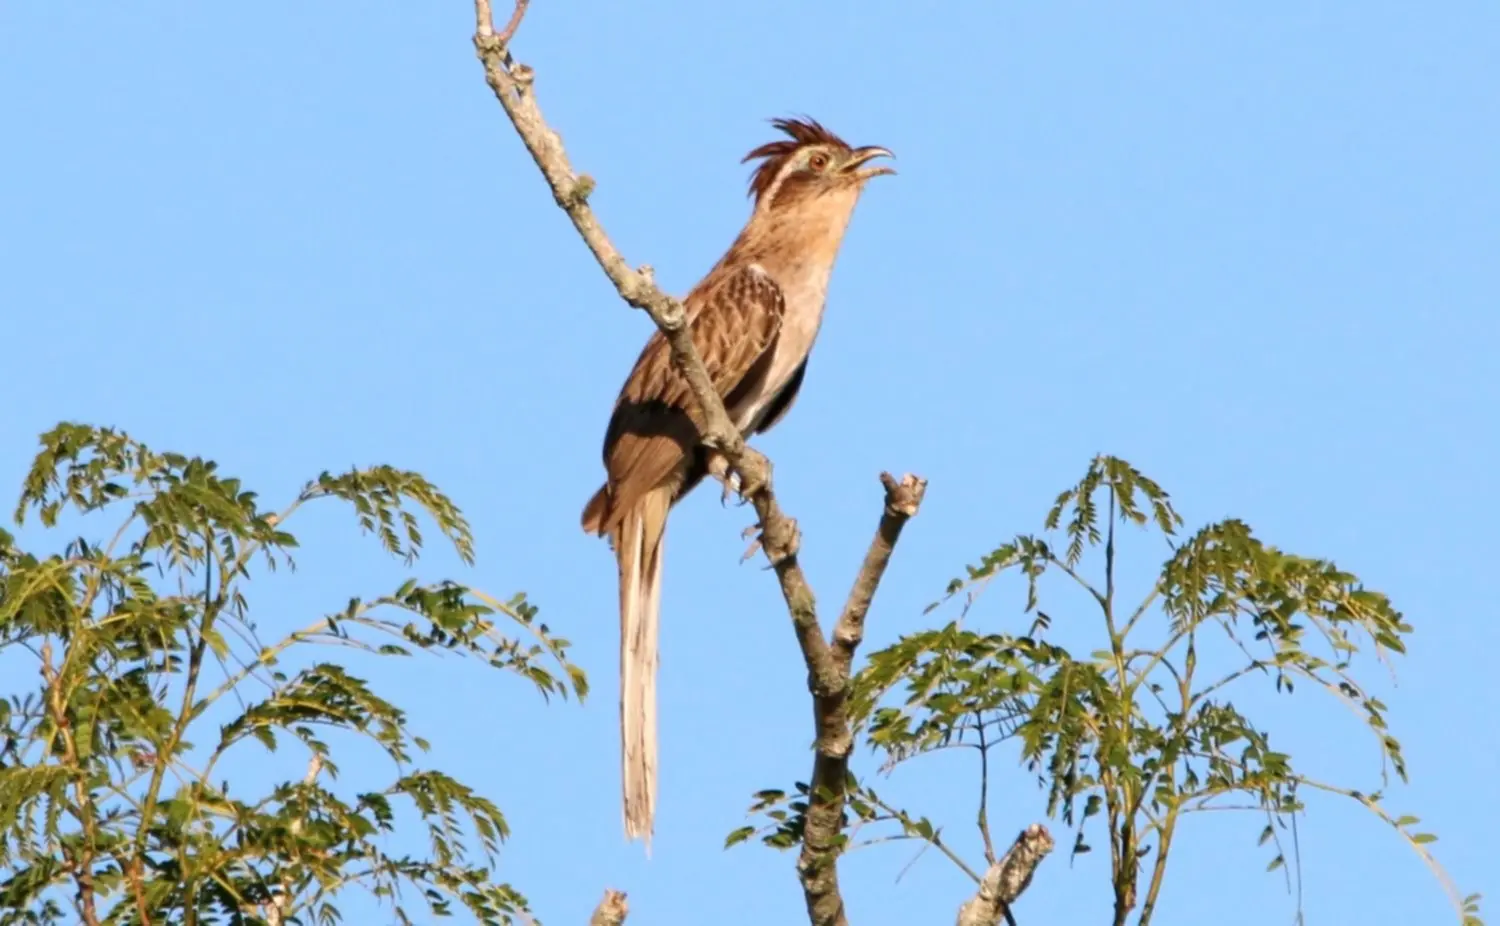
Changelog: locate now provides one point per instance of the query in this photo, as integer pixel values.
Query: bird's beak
(861, 156)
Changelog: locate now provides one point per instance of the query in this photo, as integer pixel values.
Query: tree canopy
(151, 675)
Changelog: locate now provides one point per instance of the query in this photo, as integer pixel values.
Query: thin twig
(516, 15)
(984, 795)
(935, 840)
(1007, 879)
(1077, 577)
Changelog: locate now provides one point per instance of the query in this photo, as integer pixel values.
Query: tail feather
(639, 543)
(595, 512)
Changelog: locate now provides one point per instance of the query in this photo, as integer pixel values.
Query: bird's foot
(753, 474)
(780, 546)
(735, 481)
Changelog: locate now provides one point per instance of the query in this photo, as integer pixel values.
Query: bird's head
(811, 164)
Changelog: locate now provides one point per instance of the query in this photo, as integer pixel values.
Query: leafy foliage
(1138, 733)
(105, 806)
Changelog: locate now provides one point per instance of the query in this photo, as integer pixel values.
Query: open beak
(862, 156)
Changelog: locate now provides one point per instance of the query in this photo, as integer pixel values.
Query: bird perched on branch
(753, 320)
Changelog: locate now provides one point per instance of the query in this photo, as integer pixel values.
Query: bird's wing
(655, 429)
(777, 408)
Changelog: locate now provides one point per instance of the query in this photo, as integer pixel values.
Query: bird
(753, 318)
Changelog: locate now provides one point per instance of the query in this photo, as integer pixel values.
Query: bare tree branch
(613, 909)
(828, 663)
(1007, 879)
(513, 87)
(902, 499)
(822, 836)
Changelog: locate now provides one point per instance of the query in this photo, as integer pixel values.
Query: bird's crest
(804, 131)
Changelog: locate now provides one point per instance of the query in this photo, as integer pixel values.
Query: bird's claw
(733, 480)
(751, 533)
(731, 487)
(786, 545)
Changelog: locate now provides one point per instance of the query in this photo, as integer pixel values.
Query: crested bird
(753, 319)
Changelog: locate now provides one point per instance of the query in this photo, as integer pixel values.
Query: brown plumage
(753, 319)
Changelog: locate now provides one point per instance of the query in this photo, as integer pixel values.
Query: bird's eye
(818, 161)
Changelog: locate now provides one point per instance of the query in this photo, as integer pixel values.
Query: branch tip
(516, 16)
(612, 910)
(1007, 879)
(903, 498)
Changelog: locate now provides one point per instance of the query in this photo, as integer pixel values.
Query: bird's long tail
(638, 548)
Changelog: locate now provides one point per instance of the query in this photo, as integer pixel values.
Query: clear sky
(1251, 250)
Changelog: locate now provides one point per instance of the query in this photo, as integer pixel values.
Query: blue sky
(1252, 251)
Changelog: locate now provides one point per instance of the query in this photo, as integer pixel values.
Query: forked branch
(822, 835)
(828, 661)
